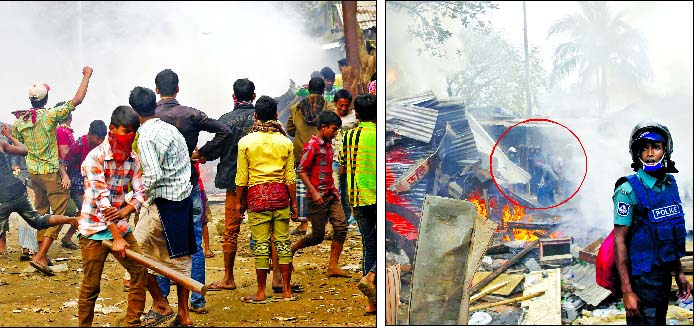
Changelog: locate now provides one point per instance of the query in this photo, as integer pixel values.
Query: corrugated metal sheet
(510, 172)
(585, 279)
(366, 13)
(410, 117)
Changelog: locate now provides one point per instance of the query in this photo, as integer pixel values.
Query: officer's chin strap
(660, 164)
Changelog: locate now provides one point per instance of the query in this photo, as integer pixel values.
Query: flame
(517, 214)
(479, 202)
(391, 76)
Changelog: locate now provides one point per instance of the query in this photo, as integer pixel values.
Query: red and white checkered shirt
(317, 163)
(106, 185)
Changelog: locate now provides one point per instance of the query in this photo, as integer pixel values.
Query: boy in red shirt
(316, 171)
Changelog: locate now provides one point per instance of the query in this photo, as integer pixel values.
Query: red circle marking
(586, 163)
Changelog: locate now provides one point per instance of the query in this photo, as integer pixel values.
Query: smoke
(667, 97)
(410, 73)
(209, 45)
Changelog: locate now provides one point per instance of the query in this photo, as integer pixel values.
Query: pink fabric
(64, 136)
(606, 271)
(196, 165)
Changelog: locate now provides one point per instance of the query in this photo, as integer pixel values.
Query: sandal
(200, 310)
(25, 257)
(44, 269)
(152, 318)
(69, 245)
(295, 289)
(252, 299)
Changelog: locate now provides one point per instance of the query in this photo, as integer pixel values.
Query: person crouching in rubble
(649, 227)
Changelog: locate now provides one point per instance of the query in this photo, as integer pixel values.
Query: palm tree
(603, 48)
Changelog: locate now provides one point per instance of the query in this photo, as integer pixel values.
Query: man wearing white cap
(36, 128)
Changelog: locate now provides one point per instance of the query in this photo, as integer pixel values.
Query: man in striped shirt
(109, 169)
(359, 159)
(166, 174)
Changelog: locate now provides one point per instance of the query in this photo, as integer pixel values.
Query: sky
(668, 97)
(208, 44)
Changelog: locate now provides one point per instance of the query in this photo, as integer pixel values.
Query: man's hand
(6, 131)
(65, 181)
(112, 213)
(87, 71)
(684, 287)
(316, 196)
(294, 213)
(631, 302)
(119, 246)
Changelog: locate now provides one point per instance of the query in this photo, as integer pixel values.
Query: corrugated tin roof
(409, 118)
(366, 13)
(585, 276)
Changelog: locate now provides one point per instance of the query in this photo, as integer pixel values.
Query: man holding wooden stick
(108, 170)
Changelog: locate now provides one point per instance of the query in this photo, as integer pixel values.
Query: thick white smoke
(209, 45)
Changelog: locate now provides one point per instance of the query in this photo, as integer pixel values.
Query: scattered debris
(285, 319)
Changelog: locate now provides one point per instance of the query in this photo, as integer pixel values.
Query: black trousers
(653, 290)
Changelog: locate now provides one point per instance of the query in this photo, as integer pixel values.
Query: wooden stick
(181, 280)
(509, 263)
(482, 294)
(511, 300)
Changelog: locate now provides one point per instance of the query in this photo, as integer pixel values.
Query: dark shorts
(22, 206)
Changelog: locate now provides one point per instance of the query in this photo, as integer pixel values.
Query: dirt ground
(29, 298)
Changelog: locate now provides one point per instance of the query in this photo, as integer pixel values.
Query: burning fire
(479, 202)
(517, 214)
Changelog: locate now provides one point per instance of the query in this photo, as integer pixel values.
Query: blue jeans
(198, 259)
(342, 187)
(366, 220)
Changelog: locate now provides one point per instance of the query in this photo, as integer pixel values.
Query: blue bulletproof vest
(658, 237)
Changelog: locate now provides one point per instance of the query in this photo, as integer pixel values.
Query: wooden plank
(513, 279)
(483, 231)
(545, 309)
(439, 270)
(489, 290)
(509, 301)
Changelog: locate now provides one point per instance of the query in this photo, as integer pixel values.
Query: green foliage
(603, 49)
(318, 17)
(429, 16)
(492, 72)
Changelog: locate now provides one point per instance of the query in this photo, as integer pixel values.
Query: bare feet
(209, 253)
(337, 272)
(220, 285)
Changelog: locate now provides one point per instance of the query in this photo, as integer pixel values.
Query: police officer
(649, 227)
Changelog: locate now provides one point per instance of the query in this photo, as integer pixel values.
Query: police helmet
(651, 131)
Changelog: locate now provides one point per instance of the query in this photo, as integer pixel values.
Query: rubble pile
(485, 261)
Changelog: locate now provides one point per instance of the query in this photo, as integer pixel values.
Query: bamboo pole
(182, 280)
(511, 300)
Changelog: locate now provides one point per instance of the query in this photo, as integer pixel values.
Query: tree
(319, 18)
(429, 14)
(493, 72)
(603, 50)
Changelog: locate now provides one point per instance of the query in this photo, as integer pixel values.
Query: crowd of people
(318, 169)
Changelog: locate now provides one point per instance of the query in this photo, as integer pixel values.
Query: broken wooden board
(545, 309)
(589, 253)
(444, 237)
(483, 231)
(514, 280)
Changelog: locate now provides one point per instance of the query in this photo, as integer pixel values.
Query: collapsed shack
(464, 254)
